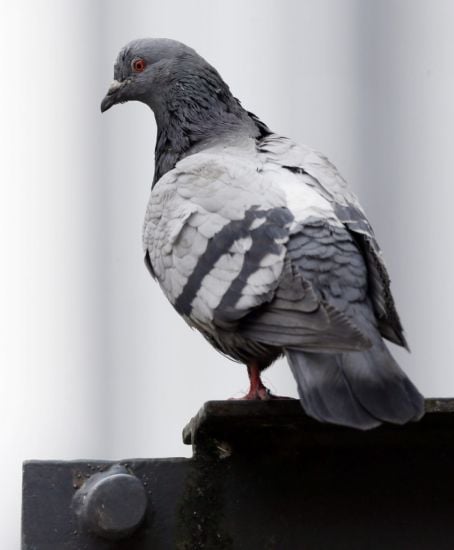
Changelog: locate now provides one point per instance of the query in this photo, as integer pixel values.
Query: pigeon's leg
(257, 389)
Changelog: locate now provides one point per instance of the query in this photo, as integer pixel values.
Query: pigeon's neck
(186, 130)
(189, 123)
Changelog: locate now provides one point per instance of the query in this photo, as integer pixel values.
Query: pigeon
(259, 244)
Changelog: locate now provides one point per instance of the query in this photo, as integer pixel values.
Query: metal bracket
(263, 476)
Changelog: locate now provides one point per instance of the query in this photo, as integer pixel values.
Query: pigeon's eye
(138, 65)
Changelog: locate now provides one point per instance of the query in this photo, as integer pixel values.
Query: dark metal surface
(50, 513)
(263, 476)
(282, 426)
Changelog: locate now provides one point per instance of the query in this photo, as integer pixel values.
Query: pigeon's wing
(322, 263)
(316, 171)
(216, 235)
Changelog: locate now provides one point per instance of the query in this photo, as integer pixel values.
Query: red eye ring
(138, 65)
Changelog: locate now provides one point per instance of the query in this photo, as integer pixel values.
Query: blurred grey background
(95, 363)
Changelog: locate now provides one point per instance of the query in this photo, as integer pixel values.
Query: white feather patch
(302, 200)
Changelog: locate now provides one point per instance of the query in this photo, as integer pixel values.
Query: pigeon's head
(191, 102)
(149, 69)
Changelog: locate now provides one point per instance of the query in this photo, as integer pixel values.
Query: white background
(94, 362)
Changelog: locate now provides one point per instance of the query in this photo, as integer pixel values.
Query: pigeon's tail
(360, 389)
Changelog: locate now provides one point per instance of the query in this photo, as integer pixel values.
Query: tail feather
(382, 386)
(360, 389)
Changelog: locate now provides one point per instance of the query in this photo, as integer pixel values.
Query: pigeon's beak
(112, 96)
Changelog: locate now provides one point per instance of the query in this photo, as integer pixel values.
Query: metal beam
(263, 476)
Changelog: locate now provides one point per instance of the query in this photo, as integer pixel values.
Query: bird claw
(259, 394)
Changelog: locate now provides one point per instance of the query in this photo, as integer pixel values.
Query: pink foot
(257, 391)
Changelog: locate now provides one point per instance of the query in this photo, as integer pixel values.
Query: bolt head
(112, 504)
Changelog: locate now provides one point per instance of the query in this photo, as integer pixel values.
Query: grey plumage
(259, 243)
